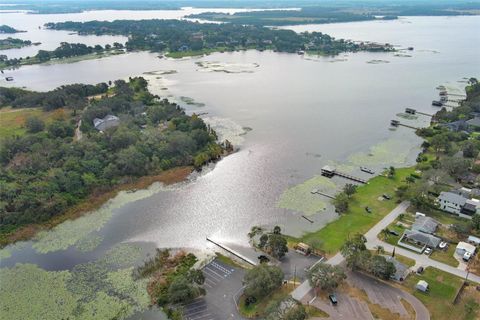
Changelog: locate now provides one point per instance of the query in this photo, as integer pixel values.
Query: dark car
(393, 232)
(420, 270)
(333, 298)
(368, 209)
(386, 196)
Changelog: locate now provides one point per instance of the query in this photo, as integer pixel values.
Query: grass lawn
(357, 220)
(12, 121)
(439, 299)
(258, 309)
(446, 256)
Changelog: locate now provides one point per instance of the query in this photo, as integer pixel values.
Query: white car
(428, 251)
(443, 245)
(467, 256)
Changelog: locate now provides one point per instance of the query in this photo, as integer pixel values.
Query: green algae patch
(123, 254)
(123, 283)
(73, 232)
(5, 253)
(89, 243)
(300, 197)
(389, 152)
(29, 292)
(105, 307)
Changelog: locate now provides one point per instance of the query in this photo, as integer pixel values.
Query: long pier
(329, 172)
(396, 123)
(414, 111)
(322, 194)
(234, 252)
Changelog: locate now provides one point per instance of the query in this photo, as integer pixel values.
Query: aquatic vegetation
(300, 197)
(105, 307)
(377, 61)
(123, 283)
(389, 152)
(227, 129)
(29, 292)
(407, 116)
(215, 66)
(5, 253)
(89, 243)
(191, 102)
(123, 254)
(71, 232)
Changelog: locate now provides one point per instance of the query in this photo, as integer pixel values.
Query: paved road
(421, 259)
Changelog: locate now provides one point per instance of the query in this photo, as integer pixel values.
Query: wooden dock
(396, 123)
(316, 191)
(329, 172)
(414, 111)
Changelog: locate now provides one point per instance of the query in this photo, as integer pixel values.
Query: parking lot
(222, 282)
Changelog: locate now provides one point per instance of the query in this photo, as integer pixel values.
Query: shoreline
(95, 201)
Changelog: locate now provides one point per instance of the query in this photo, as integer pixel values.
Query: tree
(326, 277)
(352, 248)
(263, 241)
(456, 167)
(380, 267)
(277, 245)
(476, 221)
(277, 230)
(315, 243)
(34, 124)
(262, 280)
(349, 189)
(391, 172)
(440, 142)
(181, 290)
(288, 309)
(341, 202)
(196, 276)
(469, 150)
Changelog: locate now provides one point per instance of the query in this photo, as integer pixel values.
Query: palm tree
(385, 233)
(380, 249)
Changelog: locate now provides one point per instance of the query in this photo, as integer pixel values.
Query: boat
(437, 103)
(300, 52)
(441, 88)
(443, 93)
(364, 169)
(9, 78)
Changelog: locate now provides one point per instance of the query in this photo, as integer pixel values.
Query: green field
(357, 220)
(12, 121)
(439, 300)
(446, 256)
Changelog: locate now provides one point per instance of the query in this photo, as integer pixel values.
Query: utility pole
(294, 275)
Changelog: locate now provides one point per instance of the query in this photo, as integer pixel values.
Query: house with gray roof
(425, 224)
(401, 270)
(475, 122)
(109, 121)
(418, 241)
(451, 202)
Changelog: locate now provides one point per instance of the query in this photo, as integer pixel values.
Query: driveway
(296, 264)
(222, 283)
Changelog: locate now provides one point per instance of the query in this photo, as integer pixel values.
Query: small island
(7, 29)
(14, 43)
(180, 38)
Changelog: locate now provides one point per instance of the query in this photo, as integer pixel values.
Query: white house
(451, 202)
(108, 122)
(464, 247)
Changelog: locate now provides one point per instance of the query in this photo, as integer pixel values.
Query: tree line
(180, 35)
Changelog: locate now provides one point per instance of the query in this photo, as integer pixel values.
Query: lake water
(288, 114)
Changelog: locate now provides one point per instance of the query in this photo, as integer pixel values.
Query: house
(470, 207)
(474, 240)
(418, 241)
(401, 270)
(108, 121)
(425, 225)
(451, 202)
(463, 247)
(474, 123)
(422, 285)
(460, 125)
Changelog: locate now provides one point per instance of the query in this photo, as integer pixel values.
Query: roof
(474, 122)
(425, 224)
(328, 168)
(452, 197)
(466, 247)
(422, 284)
(107, 122)
(474, 239)
(424, 238)
(400, 268)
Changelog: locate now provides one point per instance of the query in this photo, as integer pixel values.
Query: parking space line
(212, 281)
(190, 314)
(213, 275)
(222, 268)
(202, 316)
(211, 270)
